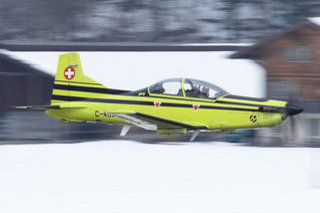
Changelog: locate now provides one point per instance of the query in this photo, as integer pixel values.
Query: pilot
(193, 92)
(205, 92)
(159, 89)
(196, 90)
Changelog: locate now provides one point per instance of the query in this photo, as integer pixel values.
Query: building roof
(106, 46)
(11, 66)
(315, 20)
(253, 52)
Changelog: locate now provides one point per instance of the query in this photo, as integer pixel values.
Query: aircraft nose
(293, 109)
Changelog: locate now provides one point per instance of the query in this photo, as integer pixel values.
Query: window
(201, 89)
(167, 87)
(298, 54)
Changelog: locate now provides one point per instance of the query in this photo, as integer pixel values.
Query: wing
(45, 107)
(150, 122)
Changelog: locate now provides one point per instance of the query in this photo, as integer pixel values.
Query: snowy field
(126, 176)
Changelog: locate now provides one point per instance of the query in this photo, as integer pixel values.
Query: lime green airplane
(178, 105)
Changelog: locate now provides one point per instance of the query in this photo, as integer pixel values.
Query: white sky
(135, 70)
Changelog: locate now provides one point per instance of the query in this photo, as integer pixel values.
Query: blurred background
(205, 21)
(255, 48)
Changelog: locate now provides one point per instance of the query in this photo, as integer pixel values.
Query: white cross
(69, 73)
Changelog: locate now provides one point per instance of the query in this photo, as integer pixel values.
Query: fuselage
(176, 105)
(226, 112)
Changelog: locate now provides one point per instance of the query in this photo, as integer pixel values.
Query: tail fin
(70, 83)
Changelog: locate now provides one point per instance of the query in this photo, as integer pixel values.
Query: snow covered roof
(19, 66)
(315, 20)
(117, 46)
(252, 52)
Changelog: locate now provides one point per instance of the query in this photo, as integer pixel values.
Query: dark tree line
(150, 20)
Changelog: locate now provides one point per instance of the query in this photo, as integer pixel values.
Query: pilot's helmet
(159, 88)
(162, 88)
(205, 89)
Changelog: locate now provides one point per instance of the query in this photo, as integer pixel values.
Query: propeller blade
(293, 109)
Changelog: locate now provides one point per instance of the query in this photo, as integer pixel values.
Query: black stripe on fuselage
(100, 100)
(245, 104)
(89, 89)
(125, 92)
(246, 98)
(120, 92)
(78, 82)
(115, 92)
(183, 99)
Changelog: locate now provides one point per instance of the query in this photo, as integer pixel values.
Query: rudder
(70, 83)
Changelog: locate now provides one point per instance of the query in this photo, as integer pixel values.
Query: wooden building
(292, 63)
(291, 60)
(21, 84)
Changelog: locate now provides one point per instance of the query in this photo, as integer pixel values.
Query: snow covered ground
(126, 176)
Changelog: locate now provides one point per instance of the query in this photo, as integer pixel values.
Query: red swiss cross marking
(157, 104)
(196, 107)
(69, 73)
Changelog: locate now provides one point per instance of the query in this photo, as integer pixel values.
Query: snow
(315, 20)
(126, 176)
(136, 70)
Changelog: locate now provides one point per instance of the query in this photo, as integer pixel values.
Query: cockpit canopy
(187, 87)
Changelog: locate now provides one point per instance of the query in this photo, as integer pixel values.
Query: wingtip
(19, 107)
